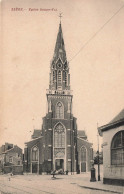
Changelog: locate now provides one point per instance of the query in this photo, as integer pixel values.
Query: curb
(105, 190)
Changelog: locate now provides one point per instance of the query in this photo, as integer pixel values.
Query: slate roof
(118, 117)
(84, 140)
(117, 121)
(33, 140)
(60, 47)
(37, 133)
(81, 134)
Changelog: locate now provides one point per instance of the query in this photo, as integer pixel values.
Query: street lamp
(26, 161)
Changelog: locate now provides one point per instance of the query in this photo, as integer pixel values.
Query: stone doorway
(34, 167)
(83, 166)
(59, 164)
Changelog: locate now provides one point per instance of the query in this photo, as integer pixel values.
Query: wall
(111, 171)
(13, 169)
(89, 152)
(16, 154)
(39, 143)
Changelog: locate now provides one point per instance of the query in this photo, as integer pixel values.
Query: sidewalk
(84, 182)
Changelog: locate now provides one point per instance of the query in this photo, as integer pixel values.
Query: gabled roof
(117, 121)
(84, 140)
(33, 140)
(9, 150)
(14, 148)
(118, 117)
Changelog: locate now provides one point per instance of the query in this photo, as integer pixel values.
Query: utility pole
(98, 154)
(33, 123)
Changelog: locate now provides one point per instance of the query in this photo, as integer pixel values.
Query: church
(58, 144)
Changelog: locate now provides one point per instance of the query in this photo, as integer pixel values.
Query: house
(113, 150)
(11, 157)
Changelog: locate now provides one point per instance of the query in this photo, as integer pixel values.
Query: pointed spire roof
(59, 51)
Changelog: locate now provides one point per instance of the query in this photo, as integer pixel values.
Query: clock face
(59, 65)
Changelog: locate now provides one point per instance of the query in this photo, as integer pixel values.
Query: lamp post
(98, 154)
(26, 161)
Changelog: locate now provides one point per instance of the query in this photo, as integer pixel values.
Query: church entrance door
(83, 167)
(83, 159)
(59, 164)
(34, 167)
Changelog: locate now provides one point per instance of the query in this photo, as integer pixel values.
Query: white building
(113, 150)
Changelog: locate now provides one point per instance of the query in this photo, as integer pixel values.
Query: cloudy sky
(97, 69)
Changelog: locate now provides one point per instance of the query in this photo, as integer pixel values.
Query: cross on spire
(60, 15)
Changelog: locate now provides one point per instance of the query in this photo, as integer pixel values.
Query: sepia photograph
(62, 96)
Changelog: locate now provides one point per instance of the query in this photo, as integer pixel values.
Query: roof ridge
(34, 139)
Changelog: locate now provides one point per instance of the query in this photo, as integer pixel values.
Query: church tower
(59, 125)
(58, 145)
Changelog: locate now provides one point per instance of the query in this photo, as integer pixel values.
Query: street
(36, 184)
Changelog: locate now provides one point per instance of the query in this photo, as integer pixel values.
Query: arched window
(53, 76)
(59, 136)
(65, 78)
(117, 149)
(35, 154)
(83, 159)
(83, 154)
(59, 76)
(59, 111)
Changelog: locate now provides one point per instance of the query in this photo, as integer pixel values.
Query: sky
(94, 46)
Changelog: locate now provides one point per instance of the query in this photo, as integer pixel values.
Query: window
(10, 159)
(83, 154)
(65, 66)
(59, 111)
(53, 76)
(59, 76)
(35, 154)
(18, 155)
(117, 149)
(59, 136)
(65, 78)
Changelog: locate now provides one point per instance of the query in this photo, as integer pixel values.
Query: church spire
(59, 51)
(59, 70)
